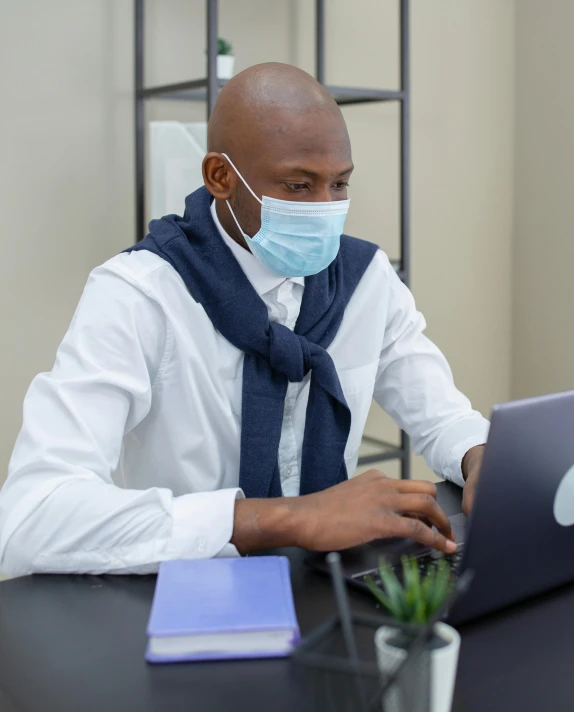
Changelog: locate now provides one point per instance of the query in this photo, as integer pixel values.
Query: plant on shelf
(225, 59)
(224, 47)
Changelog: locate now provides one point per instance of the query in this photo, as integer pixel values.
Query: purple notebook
(216, 609)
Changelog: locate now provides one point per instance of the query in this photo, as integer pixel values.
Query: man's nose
(323, 194)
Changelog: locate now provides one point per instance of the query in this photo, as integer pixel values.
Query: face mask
(295, 239)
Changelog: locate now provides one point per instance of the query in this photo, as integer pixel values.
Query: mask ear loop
(247, 238)
(242, 178)
(236, 222)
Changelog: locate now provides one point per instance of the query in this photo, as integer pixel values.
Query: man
(227, 365)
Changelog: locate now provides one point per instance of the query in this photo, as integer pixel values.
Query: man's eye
(296, 186)
(342, 185)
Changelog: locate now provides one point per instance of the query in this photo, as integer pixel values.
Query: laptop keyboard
(426, 563)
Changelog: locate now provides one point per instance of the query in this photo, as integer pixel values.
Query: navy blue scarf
(274, 354)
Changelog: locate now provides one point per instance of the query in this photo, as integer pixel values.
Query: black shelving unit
(207, 90)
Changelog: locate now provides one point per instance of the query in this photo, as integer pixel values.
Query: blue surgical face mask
(295, 239)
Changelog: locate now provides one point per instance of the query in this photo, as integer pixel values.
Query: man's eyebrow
(314, 174)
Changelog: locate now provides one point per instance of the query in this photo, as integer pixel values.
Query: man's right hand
(371, 506)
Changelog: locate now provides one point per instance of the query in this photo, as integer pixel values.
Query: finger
(376, 474)
(425, 506)
(414, 487)
(416, 530)
(468, 497)
(429, 524)
(412, 515)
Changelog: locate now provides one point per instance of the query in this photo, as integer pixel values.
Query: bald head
(285, 134)
(265, 101)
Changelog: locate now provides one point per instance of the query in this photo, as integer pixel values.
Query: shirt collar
(262, 279)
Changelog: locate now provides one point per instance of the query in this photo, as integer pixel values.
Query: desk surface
(77, 643)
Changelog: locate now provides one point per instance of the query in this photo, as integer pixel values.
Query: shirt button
(288, 472)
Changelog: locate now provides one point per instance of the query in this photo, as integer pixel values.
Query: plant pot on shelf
(225, 66)
(435, 666)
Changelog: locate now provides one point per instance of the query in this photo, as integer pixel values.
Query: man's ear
(217, 176)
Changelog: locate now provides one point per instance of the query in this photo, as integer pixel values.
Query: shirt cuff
(203, 524)
(453, 468)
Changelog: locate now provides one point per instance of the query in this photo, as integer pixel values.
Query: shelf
(396, 265)
(355, 95)
(196, 90)
(385, 451)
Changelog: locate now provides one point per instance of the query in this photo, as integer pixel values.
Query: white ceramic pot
(443, 664)
(225, 66)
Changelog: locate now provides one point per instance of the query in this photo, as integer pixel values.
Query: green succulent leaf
(416, 598)
(393, 589)
(382, 598)
(441, 586)
(224, 47)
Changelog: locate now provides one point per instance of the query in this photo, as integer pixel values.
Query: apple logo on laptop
(564, 500)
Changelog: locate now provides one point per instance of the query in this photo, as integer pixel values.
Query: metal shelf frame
(207, 89)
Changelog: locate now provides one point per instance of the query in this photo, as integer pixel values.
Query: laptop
(519, 540)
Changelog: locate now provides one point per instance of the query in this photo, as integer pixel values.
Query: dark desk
(77, 643)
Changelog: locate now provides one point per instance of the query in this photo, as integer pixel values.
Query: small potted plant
(225, 59)
(414, 601)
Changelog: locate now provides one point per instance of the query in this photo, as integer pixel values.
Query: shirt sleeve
(415, 386)
(60, 510)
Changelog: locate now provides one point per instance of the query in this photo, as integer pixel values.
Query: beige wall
(543, 337)
(65, 174)
(66, 191)
(462, 187)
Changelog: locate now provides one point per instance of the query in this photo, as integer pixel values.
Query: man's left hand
(471, 463)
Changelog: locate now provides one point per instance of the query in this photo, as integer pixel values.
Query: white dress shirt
(129, 450)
